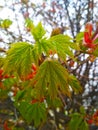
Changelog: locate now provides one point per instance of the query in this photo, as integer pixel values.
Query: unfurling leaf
(38, 32)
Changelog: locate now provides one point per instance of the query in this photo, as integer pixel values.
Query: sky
(7, 12)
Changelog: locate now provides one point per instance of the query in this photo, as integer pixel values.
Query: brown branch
(70, 21)
(62, 99)
(2, 50)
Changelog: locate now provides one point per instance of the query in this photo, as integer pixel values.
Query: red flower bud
(6, 76)
(88, 41)
(1, 71)
(6, 126)
(90, 121)
(34, 67)
(34, 101)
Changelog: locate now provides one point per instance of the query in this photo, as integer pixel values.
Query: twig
(61, 97)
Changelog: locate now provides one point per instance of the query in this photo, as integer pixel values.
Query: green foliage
(16, 128)
(74, 83)
(82, 110)
(19, 58)
(20, 96)
(5, 23)
(51, 78)
(43, 47)
(25, 94)
(9, 82)
(61, 44)
(79, 41)
(38, 32)
(84, 126)
(79, 36)
(54, 103)
(29, 23)
(32, 112)
(95, 52)
(77, 122)
(5, 87)
(1, 61)
(3, 93)
(21, 55)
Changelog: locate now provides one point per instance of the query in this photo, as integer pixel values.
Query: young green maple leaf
(77, 122)
(62, 46)
(19, 58)
(51, 78)
(32, 112)
(38, 32)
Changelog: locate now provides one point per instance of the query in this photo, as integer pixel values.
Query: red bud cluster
(32, 74)
(6, 126)
(37, 100)
(93, 119)
(90, 38)
(2, 76)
